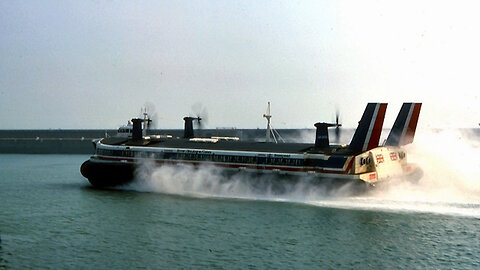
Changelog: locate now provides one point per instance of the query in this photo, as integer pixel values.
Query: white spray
(450, 185)
(209, 181)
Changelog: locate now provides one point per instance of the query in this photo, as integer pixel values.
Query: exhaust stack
(188, 131)
(321, 136)
(137, 133)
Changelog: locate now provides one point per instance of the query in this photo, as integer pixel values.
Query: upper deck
(247, 146)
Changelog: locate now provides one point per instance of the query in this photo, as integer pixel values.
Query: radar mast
(270, 130)
(267, 115)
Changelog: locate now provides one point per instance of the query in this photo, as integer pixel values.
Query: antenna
(270, 130)
(145, 114)
(267, 115)
(146, 121)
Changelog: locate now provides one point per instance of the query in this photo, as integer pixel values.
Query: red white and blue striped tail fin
(367, 134)
(403, 129)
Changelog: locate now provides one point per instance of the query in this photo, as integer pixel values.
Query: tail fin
(367, 134)
(403, 129)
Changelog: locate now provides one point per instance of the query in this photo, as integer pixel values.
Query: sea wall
(51, 141)
(80, 141)
(46, 146)
(58, 141)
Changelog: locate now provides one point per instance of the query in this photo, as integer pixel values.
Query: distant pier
(69, 141)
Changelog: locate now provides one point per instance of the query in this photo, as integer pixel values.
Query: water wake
(450, 185)
(209, 181)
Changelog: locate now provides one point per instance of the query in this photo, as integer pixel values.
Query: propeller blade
(199, 122)
(338, 125)
(154, 121)
(200, 113)
(148, 113)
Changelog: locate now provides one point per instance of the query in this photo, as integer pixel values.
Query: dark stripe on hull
(106, 174)
(337, 165)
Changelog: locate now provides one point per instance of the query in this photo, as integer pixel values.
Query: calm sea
(50, 217)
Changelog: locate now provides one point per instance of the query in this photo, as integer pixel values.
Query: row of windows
(115, 153)
(204, 157)
(124, 130)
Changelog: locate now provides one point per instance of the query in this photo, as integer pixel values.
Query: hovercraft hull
(104, 175)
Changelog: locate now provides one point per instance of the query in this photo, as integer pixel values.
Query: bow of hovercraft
(104, 174)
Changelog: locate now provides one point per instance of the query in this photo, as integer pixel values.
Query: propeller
(149, 111)
(337, 126)
(201, 114)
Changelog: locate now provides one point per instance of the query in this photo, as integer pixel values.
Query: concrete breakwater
(50, 141)
(79, 141)
(58, 141)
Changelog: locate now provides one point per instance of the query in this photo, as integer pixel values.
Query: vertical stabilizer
(367, 134)
(403, 129)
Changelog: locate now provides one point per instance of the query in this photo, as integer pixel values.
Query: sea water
(50, 217)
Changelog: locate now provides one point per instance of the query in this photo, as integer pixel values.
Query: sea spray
(449, 160)
(450, 184)
(210, 181)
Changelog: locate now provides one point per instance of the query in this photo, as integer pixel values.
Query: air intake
(137, 129)
(188, 131)
(321, 136)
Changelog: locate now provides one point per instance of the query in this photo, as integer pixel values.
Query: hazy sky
(94, 64)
